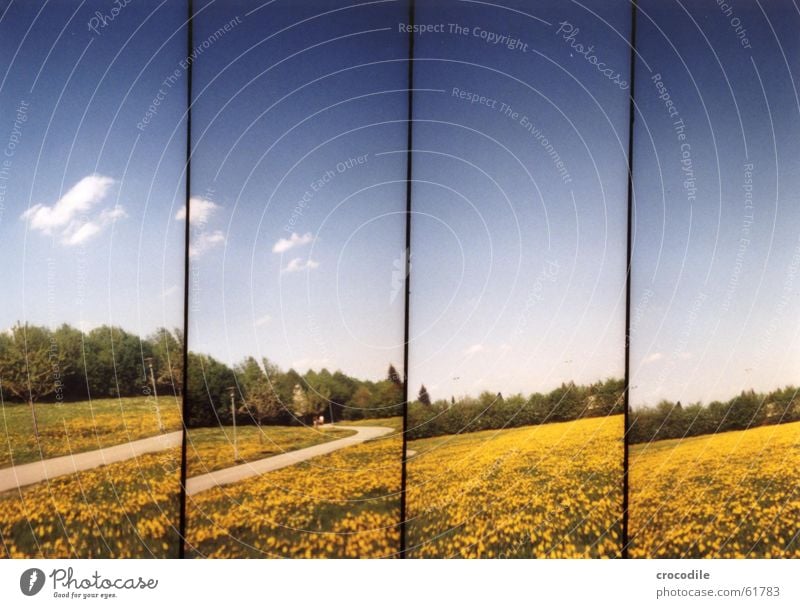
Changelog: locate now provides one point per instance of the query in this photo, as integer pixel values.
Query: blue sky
(299, 196)
(321, 287)
(89, 200)
(299, 222)
(518, 263)
(715, 299)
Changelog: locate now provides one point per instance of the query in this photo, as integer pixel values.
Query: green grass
(211, 449)
(395, 423)
(69, 428)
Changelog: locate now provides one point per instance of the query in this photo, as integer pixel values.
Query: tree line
(262, 393)
(39, 364)
(672, 420)
(429, 418)
(67, 364)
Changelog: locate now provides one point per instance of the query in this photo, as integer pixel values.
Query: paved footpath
(21, 475)
(195, 485)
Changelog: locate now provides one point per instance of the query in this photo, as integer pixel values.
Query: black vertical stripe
(409, 156)
(184, 407)
(626, 397)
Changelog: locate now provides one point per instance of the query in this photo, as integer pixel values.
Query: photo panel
(518, 281)
(93, 100)
(715, 419)
(296, 282)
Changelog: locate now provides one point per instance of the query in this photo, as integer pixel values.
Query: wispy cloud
(295, 240)
(201, 210)
(261, 321)
(652, 358)
(85, 231)
(72, 217)
(203, 241)
(474, 349)
(169, 291)
(299, 265)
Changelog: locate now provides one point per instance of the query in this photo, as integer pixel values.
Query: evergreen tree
(423, 397)
(393, 376)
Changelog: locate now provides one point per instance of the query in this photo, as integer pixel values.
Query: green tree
(167, 349)
(262, 405)
(362, 398)
(207, 395)
(249, 374)
(70, 343)
(393, 377)
(115, 362)
(424, 398)
(301, 405)
(319, 400)
(31, 365)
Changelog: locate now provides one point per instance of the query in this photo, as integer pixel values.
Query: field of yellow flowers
(344, 504)
(126, 509)
(552, 490)
(69, 428)
(735, 494)
(211, 449)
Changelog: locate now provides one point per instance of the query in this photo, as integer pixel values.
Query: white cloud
(261, 321)
(295, 240)
(80, 198)
(204, 241)
(474, 349)
(298, 265)
(652, 358)
(78, 233)
(201, 210)
(71, 216)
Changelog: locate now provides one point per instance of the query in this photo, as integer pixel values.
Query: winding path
(195, 485)
(21, 475)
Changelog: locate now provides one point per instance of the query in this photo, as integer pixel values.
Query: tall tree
(167, 348)
(207, 395)
(70, 342)
(319, 400)
(393, 376)
(31, 365)
(249, 374)
(262, 404)
(362, 398)
(115, 362)
(423, 397)
(301, 405)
